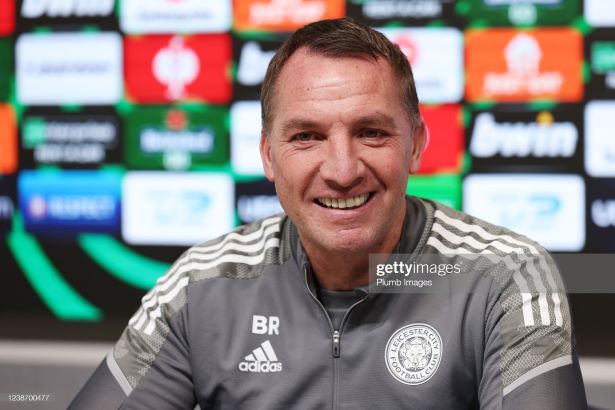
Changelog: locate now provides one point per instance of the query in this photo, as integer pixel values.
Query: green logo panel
(603, 56)
(6, 67)
(176, 137)
(442, 188)
(524, 13)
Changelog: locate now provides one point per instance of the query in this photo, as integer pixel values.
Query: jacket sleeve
(149, 366)
(530, 359)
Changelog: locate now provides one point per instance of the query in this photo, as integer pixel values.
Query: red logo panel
(167, 68)
(445, 144)
(7, 17)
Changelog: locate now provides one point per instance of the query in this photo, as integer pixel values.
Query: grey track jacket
(236, 324)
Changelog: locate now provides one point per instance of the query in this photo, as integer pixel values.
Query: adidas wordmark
(262, 360)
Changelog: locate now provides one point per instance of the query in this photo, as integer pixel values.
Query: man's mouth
(344, 203)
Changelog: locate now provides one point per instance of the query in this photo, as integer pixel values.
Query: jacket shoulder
(239, 254)
(460, 228)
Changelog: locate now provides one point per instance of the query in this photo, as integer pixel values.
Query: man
(277, 314)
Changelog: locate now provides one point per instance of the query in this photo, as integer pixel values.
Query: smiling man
(339, 149)
(278, 314)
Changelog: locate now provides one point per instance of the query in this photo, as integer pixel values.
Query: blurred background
(129, 131)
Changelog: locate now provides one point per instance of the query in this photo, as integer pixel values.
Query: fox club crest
(413, 353)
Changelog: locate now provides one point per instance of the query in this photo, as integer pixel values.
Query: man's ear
(265, 149)
(420, 139)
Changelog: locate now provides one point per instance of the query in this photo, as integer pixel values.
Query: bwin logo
(262, 360)
(517, 139)
(66, 8)
(253, 64)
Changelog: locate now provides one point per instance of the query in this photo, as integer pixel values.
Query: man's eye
(303, 136)
(370, 133)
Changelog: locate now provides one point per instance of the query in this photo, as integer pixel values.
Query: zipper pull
(336, 343)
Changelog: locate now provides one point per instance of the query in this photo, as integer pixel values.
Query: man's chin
(351, 245)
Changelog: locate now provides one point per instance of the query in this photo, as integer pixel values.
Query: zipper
(336, 347)
(336, 344)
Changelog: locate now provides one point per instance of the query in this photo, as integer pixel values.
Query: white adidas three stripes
(234, 248)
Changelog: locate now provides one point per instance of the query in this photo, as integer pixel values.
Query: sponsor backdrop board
(8, 140)
(6, 67)
(70, 14)
(163, 16)
(130, 129)
(175, 208)
(255, 200)
(245, 138)
(511, 65)
(599, 13)
(283, 15)
(522, 13)
(600, 46)
(510, 137)
(7, 17)
(601, 214)
(410, 12)
(169, 68)
(176, 137)
(88, 70)
(444, 150)
(64, 203)
(8, 193)
(252, 55)
(547, 208)
(436, 56)
(84, 138)
(599, 139)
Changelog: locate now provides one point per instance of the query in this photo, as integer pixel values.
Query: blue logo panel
(66, 203)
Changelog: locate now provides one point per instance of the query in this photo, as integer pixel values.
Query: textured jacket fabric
(236, 324)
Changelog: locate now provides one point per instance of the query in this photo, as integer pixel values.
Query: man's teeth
(344, 203)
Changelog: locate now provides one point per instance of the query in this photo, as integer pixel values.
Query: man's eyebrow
(370, 120)
(298, 124)
(377, 120)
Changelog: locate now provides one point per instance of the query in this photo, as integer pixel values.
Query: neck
(340, 273)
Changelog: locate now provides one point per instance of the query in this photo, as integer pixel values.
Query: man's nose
(341, 166)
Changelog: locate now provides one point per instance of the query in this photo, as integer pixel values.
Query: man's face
(339, 149)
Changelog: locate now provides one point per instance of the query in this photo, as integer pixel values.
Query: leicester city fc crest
(413, 353)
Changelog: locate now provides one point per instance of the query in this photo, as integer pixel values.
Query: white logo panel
(161, 208)
(522, 139)
(173, 16)
(253, 64)
(600, 139)
(66, 8)
(436, 57)
(245, 138)
(413, 353)
(600, 13)
(69, 68)
(547, 208)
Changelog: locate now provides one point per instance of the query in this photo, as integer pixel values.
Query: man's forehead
(305, 58)
(311, 75)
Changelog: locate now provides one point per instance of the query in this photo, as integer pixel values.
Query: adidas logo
(262, 360)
